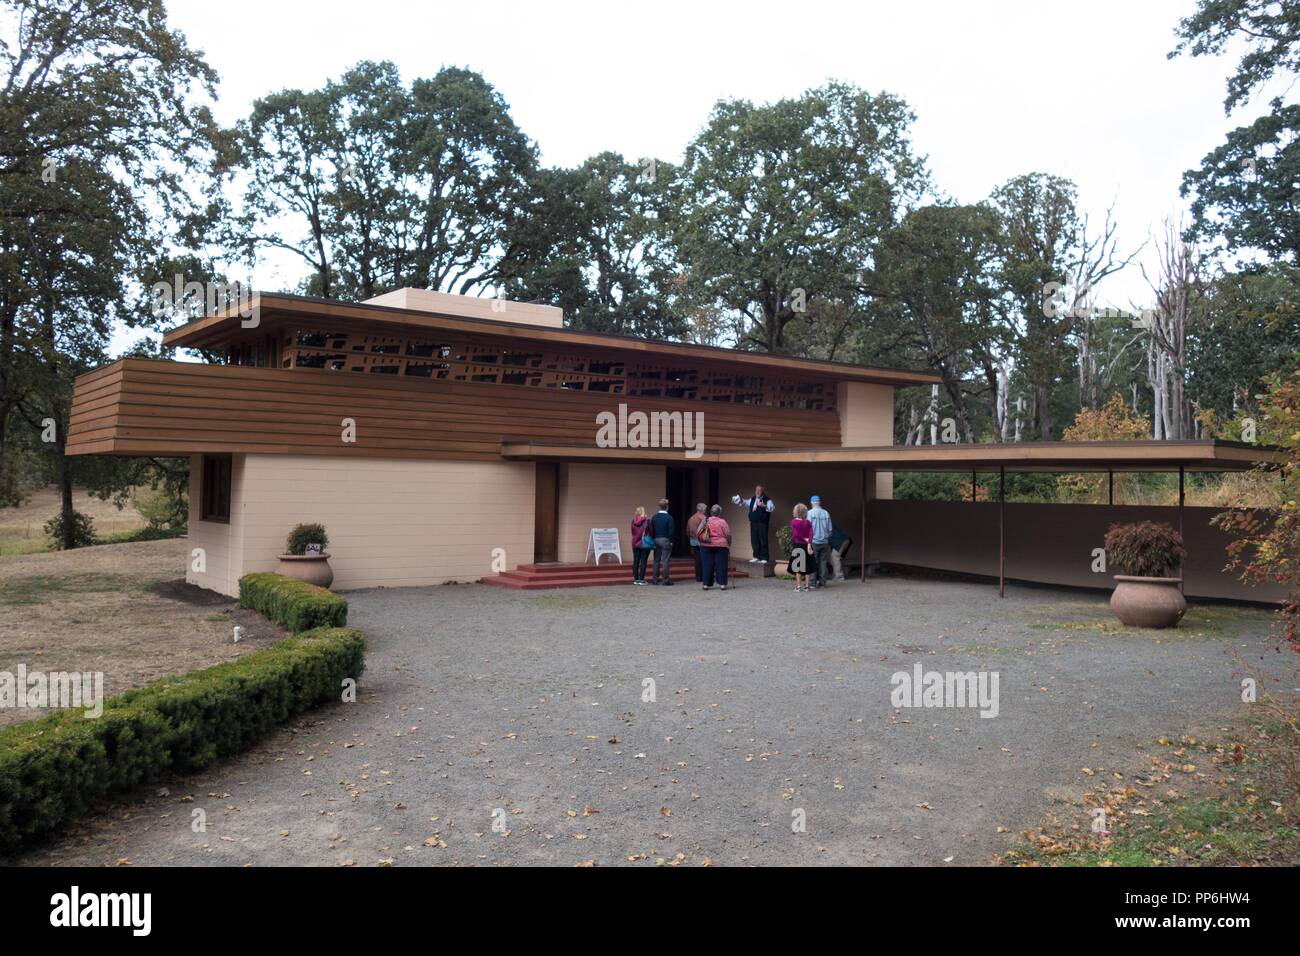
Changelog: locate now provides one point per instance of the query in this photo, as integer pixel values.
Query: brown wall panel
(139, 406)
(1046, 544)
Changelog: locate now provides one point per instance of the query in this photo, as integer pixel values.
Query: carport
(1107, 457)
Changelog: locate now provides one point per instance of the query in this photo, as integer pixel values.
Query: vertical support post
(1002, 531)
(862, 542)
(1110, 487)
(1182, 584)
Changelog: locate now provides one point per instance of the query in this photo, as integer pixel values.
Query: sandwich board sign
(603, 541)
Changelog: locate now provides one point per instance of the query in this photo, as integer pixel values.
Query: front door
(680, 506)
(546, 523)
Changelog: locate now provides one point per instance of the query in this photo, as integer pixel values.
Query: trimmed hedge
(53, 769)
(291, 603)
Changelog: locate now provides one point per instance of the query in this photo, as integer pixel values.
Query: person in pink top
(800, 546)
(715, 548)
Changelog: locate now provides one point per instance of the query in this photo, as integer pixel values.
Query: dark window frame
(214, 489)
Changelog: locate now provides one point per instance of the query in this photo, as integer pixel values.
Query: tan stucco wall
(840, 489)
(604, 496)
(218, 541)
(391, 523)
(867, 419)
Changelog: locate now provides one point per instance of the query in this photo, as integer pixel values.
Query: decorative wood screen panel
(468, 361)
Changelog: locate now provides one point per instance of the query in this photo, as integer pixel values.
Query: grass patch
(9, 546)
(41, 588)
(1247, 815)
(1201, 621)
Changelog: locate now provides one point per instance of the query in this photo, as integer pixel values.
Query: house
(440, 437)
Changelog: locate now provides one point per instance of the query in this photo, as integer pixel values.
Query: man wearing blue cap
(821, 540)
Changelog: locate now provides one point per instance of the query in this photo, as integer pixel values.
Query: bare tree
(1179, 289)
(1097, 257)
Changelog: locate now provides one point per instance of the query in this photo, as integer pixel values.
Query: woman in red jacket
(715, 548)
(640, 553)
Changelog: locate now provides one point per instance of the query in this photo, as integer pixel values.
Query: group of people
(818, 547)
(710, 537)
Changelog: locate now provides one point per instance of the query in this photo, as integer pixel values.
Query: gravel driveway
(485, 710)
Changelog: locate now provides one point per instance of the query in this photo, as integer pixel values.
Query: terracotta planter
(312, 568)
(1148, 602)
(781, 568)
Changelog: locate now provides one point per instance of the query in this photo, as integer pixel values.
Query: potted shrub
(1149, 554)
(784, 544)
(305, 557)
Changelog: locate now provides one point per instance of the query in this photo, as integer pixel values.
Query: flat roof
(1066, 456)
(277, 309)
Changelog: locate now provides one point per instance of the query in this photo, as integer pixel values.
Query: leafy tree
(1266, 547)
(595, 241)
(784, 202)
(936, 280)
(1269, 28)
(1051, 265)
(286, 158)
(387, 186)
(1247, 191)
(1113, 421)
(363, 213)
(100, 132)
(1251, 327)
(465, 166)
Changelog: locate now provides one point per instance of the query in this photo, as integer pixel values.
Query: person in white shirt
(760, 508)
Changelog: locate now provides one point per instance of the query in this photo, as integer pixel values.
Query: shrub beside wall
(55, 768)
(295, 605)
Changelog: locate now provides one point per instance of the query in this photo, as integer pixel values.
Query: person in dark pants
(760, 508)
(693, 533)
(821, 541)
(715, 547)
(661, 529)
(640, 553)
(840, 545)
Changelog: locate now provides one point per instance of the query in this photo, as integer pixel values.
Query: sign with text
(604, 541)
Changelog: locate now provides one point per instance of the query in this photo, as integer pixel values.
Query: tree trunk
(1043, 411)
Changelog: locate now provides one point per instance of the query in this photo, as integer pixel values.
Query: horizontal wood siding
(140, 406)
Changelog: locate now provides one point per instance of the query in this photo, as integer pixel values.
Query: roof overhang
(264, 312)
(1209, 455)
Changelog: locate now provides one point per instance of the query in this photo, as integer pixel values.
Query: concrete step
(537, 577)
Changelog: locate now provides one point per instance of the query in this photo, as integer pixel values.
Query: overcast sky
(1081, 89)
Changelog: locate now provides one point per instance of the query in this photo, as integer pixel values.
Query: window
(214, 502)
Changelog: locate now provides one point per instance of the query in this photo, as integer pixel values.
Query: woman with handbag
(642, 544)
(715, 548)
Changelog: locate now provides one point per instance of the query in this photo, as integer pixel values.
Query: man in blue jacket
(661, 529)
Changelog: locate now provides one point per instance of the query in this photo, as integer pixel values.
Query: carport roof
(1070, 456)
